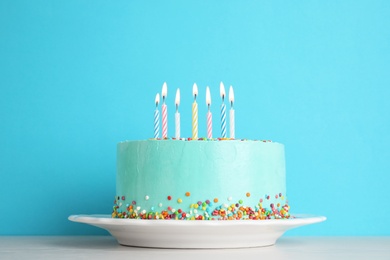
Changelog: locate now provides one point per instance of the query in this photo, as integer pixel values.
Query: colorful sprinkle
(188, 194)
(277, 208)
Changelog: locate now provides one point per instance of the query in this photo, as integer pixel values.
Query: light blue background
(77, 77)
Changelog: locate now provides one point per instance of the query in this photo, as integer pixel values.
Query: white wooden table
(106, 247)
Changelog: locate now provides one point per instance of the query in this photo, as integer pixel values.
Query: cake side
(174, 179)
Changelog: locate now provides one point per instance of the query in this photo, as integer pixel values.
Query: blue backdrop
(77, 77)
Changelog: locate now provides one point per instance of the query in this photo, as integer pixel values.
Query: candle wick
(208, 105)
(231, 104)
(195, 97)
(223, 98)
(177, 108)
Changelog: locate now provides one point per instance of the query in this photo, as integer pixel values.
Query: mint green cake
(200, 180)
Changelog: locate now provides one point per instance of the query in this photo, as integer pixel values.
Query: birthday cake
(200, 178)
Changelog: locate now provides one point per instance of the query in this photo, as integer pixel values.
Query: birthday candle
(157, 118)
(231, 99)
(195, 113)
(209, 116)
(177, 114)
(223, 110)
(164, 112)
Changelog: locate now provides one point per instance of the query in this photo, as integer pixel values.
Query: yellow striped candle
(195, 113)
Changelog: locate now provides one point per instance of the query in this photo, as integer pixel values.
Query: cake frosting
(200, 180)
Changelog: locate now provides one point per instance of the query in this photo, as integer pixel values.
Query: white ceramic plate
(196, 234)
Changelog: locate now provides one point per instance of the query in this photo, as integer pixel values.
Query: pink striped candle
(209, 115)
(164, 112)
(157, 117)
(195, 113)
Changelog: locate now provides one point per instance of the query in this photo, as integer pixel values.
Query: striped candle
(164, 112)
(157, 118)
(195, 113)
(231, 99)
(223, 110)
(209, 116)
(177, 114)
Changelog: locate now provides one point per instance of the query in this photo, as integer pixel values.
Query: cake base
(196, 234)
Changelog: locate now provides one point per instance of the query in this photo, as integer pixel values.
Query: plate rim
(251, 233)
(106, 219)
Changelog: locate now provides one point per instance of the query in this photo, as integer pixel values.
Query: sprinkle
(188, 194)
(160, 205)
(123, 197)
(248, 194)
(179, 200)
(169, 197)
(215, 200)
(240, 201)
(230, 198)
(276, 196)
(146, 197)
(207, 202)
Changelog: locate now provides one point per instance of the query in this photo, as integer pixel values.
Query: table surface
(106, 247)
